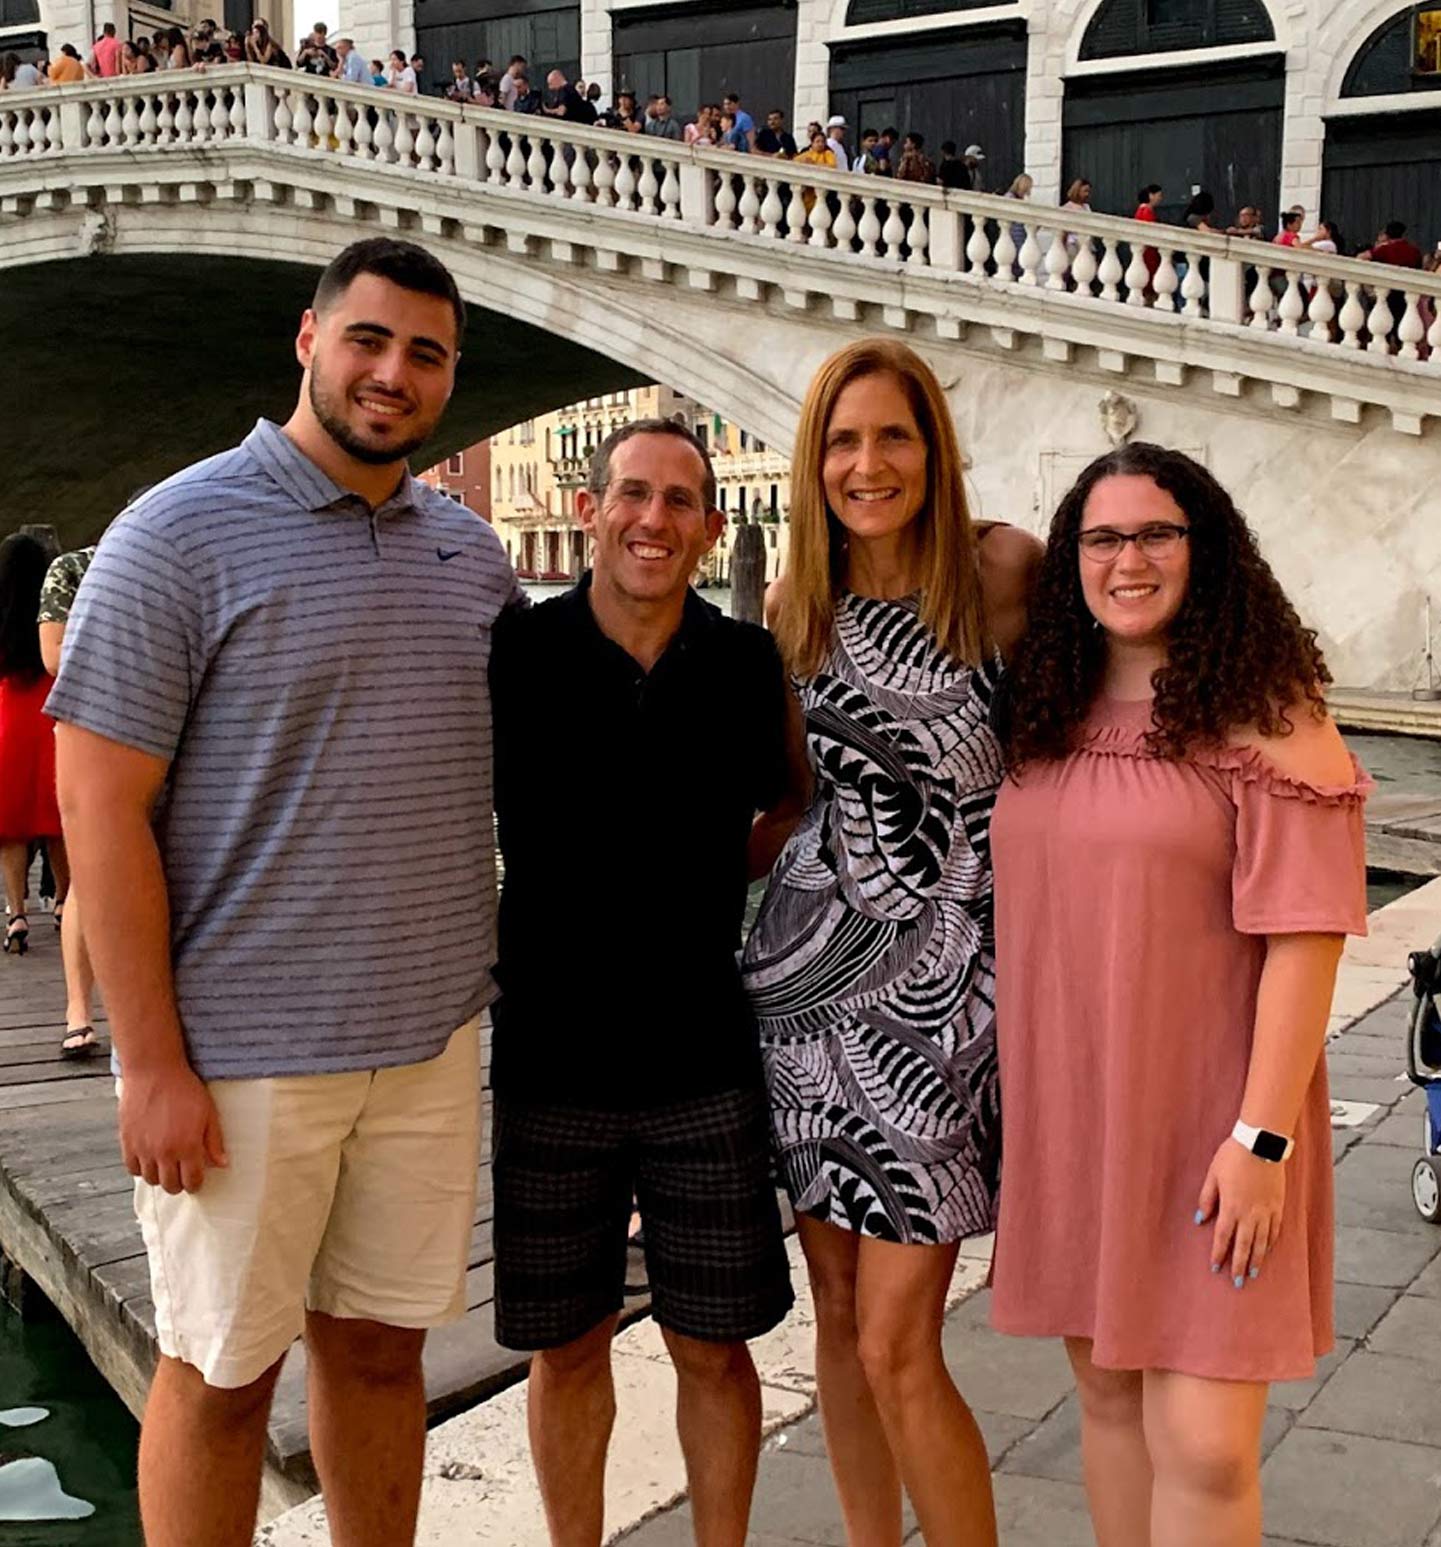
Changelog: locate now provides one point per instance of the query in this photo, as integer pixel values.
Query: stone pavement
(1353, 1457)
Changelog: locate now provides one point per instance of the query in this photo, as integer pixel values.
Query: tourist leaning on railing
(1178, 850)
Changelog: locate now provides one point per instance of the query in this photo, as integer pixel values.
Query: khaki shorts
(350, 1194)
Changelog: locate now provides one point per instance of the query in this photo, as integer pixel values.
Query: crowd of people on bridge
(1003, 796)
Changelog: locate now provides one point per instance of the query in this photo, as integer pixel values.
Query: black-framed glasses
(1159, 541)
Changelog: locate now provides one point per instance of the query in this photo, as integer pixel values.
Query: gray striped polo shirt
(315, 674)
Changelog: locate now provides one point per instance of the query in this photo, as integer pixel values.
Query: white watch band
(1246, 1136)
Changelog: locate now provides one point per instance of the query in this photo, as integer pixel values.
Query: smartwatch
(1263, 1144)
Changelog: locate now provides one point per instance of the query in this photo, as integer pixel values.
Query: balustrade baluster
(10, 129)
(1166, 282)
(670, 192)
(114, 123)
(344, 128)
(605, 173)
(202, 116)
(772, 210)
(149, 122)
(1322, 311)
(1058, 261)
(1029, 256)
(184, 118)
(425, 147)
(1193, 286)
(1138, 277)
(978, 248)
(796, 215)
(165, 122)
(893, 232)
(1110, 272)
(281, 117)
(494, 158)
(1292, 309)
(869, 229)
(130, 124)
(648, 186)
(750, 205)
(324, 124)
(384, 136)
(405, 139)
(844, 225)
(364, 135)
(536, 165)
(1084, 266)
(919, 235)
(625, 184)
(819, 218)
(560, 169)
(1004, 252)
(580, 178)
(1433, 339)
(95, 125)
(1412, 331)
(1380, 322)
(52, 131)
(220, 118)
(303, 122)
(237, 114)
(445, 149)
(1260, 299)
(1353, 316)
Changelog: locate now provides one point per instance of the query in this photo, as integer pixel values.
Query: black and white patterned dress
(872, 965)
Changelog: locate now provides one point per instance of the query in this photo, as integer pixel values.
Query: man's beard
(349, 442)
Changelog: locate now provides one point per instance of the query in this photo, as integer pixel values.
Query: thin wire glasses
(1160, 541)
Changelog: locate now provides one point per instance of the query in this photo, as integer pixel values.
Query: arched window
(1124, 27)
(1402, 54)
(500, 483)
(512, 486)
(858, 12)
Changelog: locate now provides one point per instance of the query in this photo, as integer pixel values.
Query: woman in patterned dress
(871, 967)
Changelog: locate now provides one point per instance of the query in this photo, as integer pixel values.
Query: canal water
(88, 1437)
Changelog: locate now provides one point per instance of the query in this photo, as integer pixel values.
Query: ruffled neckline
(1117, 727)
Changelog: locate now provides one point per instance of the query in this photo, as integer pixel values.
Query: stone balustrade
(1380, 315)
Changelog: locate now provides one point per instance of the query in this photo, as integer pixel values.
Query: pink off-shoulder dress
(1134, 895)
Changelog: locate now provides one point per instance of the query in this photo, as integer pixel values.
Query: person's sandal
(17, 934)
(87, 1044)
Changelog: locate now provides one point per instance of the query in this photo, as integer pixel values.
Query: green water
(88, 1436)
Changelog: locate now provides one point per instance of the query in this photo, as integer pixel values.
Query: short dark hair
(732, 96)
(1144, 196)
(23, 562)
(601, 458)
(1291, 217)
(517, 59)
(108, 30)
(402, 263)
(1395, 229)
(918, 140)
(948, 147)
(891, 130)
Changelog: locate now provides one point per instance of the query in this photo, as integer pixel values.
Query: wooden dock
(68, 1227)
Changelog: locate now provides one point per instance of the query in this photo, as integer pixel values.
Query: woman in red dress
(28, 808)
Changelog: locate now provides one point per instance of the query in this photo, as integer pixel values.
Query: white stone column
(596, 46)
(1303, 138)
(1045, 94)
(815, 23)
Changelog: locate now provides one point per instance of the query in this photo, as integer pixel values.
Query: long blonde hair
(805, 609)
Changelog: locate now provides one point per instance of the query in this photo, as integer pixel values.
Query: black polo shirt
(625, 801)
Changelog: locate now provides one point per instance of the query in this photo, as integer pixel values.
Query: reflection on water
(67, 1477)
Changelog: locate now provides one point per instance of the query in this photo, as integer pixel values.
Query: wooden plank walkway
(67, 1223)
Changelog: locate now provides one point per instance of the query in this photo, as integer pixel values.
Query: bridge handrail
(1275, 291)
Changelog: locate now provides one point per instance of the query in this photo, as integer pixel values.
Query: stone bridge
(159, 242)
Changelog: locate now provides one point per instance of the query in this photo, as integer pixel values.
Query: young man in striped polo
(275, 772)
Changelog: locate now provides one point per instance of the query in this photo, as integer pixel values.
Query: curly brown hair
(1237, 653)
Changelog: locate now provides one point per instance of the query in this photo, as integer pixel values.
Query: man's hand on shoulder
(1010, 560)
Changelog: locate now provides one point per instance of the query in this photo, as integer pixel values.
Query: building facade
(30, 28)
(538, 467)
(465, 477)
(1330, 104)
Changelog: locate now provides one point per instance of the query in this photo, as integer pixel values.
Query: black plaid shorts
(700, 1172)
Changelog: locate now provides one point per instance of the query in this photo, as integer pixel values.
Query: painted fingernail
(1255, 1272)
(1200, 1217)
(1215, 1267)
(1240, 1281)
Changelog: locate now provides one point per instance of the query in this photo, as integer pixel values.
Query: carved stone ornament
(97, 233)
(1118, 418)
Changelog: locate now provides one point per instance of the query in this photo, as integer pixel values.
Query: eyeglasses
(681, 502)
(1160, 541)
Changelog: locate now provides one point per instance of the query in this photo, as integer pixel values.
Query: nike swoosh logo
(445, 557)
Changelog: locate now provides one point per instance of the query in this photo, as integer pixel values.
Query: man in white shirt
(510, 82)
(836, 140)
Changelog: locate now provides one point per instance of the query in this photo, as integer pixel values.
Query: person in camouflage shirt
(57, 597)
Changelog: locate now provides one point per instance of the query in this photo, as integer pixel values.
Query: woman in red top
(28, 808)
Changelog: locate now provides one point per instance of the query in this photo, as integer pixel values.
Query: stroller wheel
(1426, 1188)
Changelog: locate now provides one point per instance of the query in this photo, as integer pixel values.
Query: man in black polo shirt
(638, 734)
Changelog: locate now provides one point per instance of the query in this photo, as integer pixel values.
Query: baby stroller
(1423, 1065)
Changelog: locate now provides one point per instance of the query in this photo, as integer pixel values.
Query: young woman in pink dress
(1178, 854)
